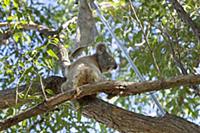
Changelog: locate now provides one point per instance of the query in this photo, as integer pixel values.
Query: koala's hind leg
(85, 76)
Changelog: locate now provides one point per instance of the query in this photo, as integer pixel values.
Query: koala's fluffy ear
(101, 48)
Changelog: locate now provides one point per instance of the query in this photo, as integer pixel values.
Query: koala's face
(105, 60)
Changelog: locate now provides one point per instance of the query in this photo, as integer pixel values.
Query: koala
(89, 69)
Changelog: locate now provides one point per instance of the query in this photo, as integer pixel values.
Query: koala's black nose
(115, 66)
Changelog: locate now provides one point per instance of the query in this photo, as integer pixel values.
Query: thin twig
(177, 60)
(145, 37)
(186, 18)
(42, 87)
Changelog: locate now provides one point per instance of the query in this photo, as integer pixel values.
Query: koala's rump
(84, 74)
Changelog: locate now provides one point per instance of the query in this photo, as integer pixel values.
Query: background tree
(162, 38)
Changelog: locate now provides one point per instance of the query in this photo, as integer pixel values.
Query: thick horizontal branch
(7, 97)
(186, 18)
(132, 88)
(114, 87)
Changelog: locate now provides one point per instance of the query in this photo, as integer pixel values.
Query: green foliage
(150, 36)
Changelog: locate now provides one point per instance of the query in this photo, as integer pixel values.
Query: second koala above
(89, 69)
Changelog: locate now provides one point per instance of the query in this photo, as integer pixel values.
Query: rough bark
(130, 122)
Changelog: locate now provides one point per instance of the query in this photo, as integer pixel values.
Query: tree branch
(63, 57)
(7, 97)
(186, 18)
(86, 28)
(146, 36)
(129, 122)
(177, 60)
(25, 26)
(114, 87)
